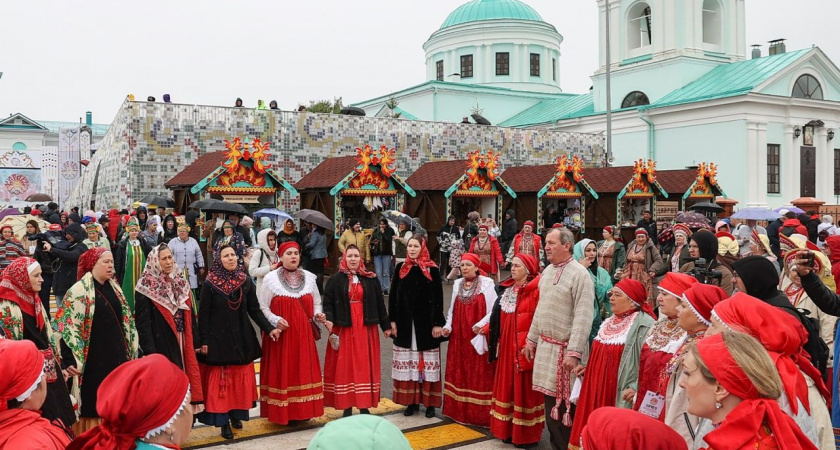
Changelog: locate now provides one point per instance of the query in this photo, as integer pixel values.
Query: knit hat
(701, 298)
(640, 231)
(676, 283)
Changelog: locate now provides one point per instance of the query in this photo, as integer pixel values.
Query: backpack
(787, 231)
(815, 346)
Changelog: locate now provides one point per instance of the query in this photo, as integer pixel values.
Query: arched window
(19, 146)
(638, 26)
(712, 22)
(635, 98)
(807, 87)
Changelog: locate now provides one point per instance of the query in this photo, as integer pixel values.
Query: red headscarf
(138, 397)
(637, 293)
(360, 271)
(113, 223)
(701, 298)
(23, 365)
(15, 287)
(611, 428)
(88, 260)
(287, 245)
(531, 265)
(423, 261)
(782, 335)
(473, 258)
(675, 283)
(742, 424)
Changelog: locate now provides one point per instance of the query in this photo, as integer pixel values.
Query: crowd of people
(689, 343)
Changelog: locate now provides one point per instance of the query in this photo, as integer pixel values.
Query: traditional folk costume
(290, 391)
(526, 243)
(129, 261)
(468, 388)
(611, 254)
(164, 321)
(100, 241)
(614, 360)
(661, 343)
(97, 325)
(757, 422)
(612, 428)
(415, 304)
(560, 328)
(353, 302)
(700, 299)
(641, 260)
(517, 413)
(488, 251)
(679, 255)
(21, 372)
(22, 317)
(803, 392)
(10, 249)
(139, 400)
(227, 305)
(603, 284)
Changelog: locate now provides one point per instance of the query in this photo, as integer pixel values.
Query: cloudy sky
(60, 59)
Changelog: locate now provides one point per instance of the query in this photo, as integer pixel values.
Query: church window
(439, 70)
(466, 66)
(639, 32)
(712, 22)
(502, 63)
(635, 98)
(807, 87)
(773, 172)
(535, 64)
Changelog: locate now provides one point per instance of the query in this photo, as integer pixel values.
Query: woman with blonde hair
(730, 379)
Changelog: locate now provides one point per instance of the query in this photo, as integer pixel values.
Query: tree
(326, 106)
(392, 105)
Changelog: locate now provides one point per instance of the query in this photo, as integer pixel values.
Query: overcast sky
(61, 58)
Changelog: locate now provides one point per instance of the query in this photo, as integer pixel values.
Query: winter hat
(720, 224)
(640, 231)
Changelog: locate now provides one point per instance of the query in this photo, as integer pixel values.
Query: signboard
(665, 213)
(242, 198)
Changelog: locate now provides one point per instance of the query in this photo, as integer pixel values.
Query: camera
(702, 272)
(809, 258)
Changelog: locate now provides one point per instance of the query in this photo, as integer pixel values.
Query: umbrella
(706, 206)
(39, 198)
(692, 217)
(158, 200)
(18, 224)
(220, 206)
(790, 208)
(316, 217)
(273, 212)
(479, 119)
(352, 111)
(10, 212)
(398, 217)
(201, 204)
(756, 213)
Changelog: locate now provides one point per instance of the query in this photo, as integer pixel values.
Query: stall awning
(568, 181)
(373, 175)
(481, 177)
(643, 184)
(705, 185)
(244, 171)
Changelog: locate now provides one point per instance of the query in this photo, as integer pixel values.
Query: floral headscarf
(222, 279)
(361, 271)
(423, 261)
(15, 287)
(88, 260)
(168, 290)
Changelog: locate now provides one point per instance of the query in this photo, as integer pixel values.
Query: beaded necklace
(508, 300)
(467, 295)
(614, 330)
(664, 333)
(481, 244)
(671, 368)
(292, 280)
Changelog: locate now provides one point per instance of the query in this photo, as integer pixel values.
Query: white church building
(684, 90)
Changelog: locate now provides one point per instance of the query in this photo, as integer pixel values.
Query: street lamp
(830, 135)
(797, 132)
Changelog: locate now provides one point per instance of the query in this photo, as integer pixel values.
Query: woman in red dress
(730, 379)
(664, 338)
(488, 250)
(611, 375)
(469, 377)
(353, 308)
(291, 386)
(517, 413)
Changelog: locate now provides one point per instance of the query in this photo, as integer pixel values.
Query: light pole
(609, 90)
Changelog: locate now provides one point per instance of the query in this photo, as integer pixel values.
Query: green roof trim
(405, 114)
(637, 59)
(480, 10)
(463, 87)
(548, 111)
(730, 80)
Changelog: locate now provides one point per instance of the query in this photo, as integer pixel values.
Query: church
(683, 90)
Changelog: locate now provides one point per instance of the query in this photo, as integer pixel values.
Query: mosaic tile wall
(147, 144)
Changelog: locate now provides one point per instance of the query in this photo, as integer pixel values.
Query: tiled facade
(148, 143)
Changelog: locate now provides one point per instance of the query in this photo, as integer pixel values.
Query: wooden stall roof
(437, 175)
(677, 181)
(197, 171)
(327, 174)
(531, 179)
(611, 180)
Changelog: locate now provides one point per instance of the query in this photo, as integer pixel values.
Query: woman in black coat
(416, 315)
(353, 309)
(229, 344)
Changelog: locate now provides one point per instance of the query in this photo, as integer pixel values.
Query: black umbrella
(201, 204)
(316, 217)
(479, 119)
(353, 111)
(219, 206)
(39, 198)
(158, 200)
(706, 206)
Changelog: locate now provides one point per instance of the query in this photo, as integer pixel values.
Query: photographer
(45, 259)
(703, 249)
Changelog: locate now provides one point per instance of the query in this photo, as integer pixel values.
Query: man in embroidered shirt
(559, 336)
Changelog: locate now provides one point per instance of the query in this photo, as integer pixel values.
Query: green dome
(478, 10)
